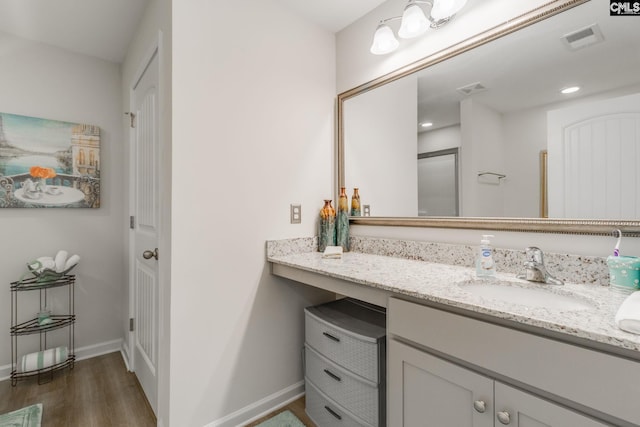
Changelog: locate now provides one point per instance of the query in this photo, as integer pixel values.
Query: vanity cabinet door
(424, 390)
(519, 409)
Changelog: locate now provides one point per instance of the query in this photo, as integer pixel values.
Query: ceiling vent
(583, 37)
(472, 88)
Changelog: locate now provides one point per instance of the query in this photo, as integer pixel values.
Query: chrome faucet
(534, 268)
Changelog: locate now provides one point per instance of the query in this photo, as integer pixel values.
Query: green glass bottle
(355, 203)
(327, 226)
(342, 221)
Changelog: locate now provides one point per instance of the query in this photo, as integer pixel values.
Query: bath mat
(30, 416)
(283, 419)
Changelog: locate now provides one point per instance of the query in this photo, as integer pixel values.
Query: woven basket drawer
(357, 353)
(355, 394)
(325, 413)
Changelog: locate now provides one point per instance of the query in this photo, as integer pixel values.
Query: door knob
(479, 406)
(150, 254)
(504, 417)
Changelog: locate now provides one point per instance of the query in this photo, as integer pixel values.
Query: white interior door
(593, 157)
(146, 229)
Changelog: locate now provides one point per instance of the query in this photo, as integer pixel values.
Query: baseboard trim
(98, 349)
(124, 350)
(82, 353)
(261, 408)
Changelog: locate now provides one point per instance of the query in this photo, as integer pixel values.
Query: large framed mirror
(495, 100)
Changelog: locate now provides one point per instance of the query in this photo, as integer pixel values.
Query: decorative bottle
(355, 203)
(342, 222)
(327, 226)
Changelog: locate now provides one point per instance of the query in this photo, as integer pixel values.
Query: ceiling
(519, 74)
(104, 28)
(100, 28)
(332, 15)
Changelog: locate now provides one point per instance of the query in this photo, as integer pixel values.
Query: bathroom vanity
(461, 352)
(470, 373)
(458, 357)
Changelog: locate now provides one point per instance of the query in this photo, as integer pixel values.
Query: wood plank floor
(97, 392)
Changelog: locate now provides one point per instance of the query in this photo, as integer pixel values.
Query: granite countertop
(445, 284)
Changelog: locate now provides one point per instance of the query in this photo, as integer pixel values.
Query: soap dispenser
(485, 267)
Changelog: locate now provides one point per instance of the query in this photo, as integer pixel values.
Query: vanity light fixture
(426, 124)
(383, 40)
(414, 23)
(569, 90)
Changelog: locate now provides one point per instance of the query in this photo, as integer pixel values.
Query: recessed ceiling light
(426, 124)
(571, 89)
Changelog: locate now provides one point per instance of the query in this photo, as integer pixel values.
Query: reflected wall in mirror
(499, 104)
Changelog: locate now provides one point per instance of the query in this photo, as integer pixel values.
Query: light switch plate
(296, 214)
(366, 210)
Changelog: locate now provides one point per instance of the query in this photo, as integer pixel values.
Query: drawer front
(352, 393)
(347, 350)
(326, 413)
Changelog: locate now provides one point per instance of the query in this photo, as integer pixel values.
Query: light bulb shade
(384, 41)
(414, 22)
(443, 9)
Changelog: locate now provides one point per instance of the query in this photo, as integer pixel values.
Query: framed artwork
(48, 163)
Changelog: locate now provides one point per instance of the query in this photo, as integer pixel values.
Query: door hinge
(132, 222)
(131, 324)
(132, 119)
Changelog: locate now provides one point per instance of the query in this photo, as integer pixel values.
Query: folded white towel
(333, 252)
(61, 260)
(43, 359)
(73, 260)
(628, 315)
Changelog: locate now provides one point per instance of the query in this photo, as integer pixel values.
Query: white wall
(42, 81)
(439, 139)
(390, 141)
(252, 133)
(525, 135)
(356, 66)
(482, 151)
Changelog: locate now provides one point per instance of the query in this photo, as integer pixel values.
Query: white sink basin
(528, 295)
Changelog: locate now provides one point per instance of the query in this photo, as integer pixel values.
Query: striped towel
(43, 359)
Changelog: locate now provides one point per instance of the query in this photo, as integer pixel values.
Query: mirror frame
(540, 225)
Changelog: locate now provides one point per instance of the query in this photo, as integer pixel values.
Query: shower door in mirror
(438, 183)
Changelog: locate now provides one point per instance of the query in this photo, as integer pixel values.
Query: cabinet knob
(503, 417)
(479, 406)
